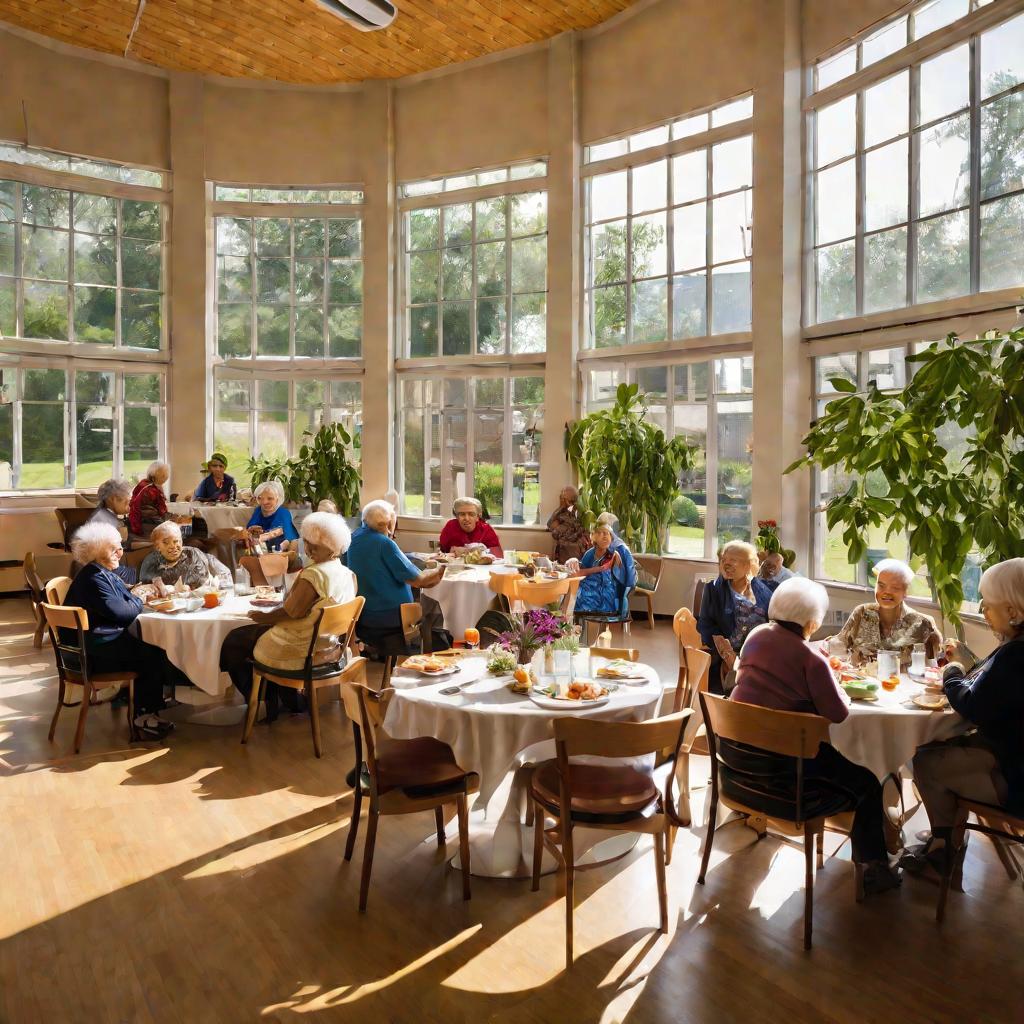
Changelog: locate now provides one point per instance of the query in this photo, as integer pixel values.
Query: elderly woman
(571, 539)
(112, 500)
(271, 523)
(608, 574)
(280, 638)
(385, 578)
(148, 506)
(887, 623)
(217, 485)
(730, 607)
(468, 528)
(986, 765)
(170, 561)
(777, 669)
(112, 609)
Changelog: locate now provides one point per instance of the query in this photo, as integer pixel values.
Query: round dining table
(495, 733)
(464, 594)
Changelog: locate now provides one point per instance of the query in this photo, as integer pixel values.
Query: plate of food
(619, 668)
(579, 693)
(428, 665)
(931, 701)
(861, 689)
(523, 679)
(266, 602)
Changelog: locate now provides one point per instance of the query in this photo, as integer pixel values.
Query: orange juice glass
(472, 637)
(211, 600)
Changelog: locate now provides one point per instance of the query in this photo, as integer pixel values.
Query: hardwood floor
(203, 881)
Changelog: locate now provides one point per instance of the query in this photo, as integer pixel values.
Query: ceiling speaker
(366, 15)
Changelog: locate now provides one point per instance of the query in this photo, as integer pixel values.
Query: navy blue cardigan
(718, 616)
(991, 696)
(111, 607)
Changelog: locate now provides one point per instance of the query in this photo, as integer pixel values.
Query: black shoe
(121, 700)
(350, 779)
(152, 726)
(879, 877)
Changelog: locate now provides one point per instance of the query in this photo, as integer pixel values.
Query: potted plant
(768, 542)
(945, 455)
(528, 632)
(628, 466)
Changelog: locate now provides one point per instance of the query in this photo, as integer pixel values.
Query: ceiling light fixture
(366, 15)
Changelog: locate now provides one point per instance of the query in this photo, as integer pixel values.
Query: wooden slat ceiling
(299, 41)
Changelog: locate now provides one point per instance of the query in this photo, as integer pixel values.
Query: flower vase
(549, 661)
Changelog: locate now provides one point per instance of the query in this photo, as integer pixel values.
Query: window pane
(1002, 154)
(141, 438)
(7, 318)
(688, 126)
(930, 17)
(234, 326)
(836, 68)
(43, 385)
(423, 276)
(887, 368)
(345, 238)
(729, 113)
(648, 241)
(273, 280)
(608, 196)
(690, 176)
(730, 298)
(945, 82)
(231, 424)
(140, 319)
(608, 252)
(488, 460)
(730, 218)
(95, 214)
(943, 257)
(309, 332)
(885, 270)
(604, 150)
(734, 376)
(529, 323)
(423, 331)
(732, 164)
(1002, 255)
(529, 264)
(310, 237)
(651, 137)
(456, 319)
(44, 253)
(944, 166)
(491, 215)
(492, 323)
(273, 236)
(45, 310)
(273, 326)
(95, 315)
(609, 316)
(42, 444)
(234, 236)
(650, 311)
(458, 224)
(837, 295)
(689, 306)
(735, 469)
(234, 278)
(689, 236)
(141, 220)
(1002, 57)
(309, 411)
(529, 213)
(346, 281)
(843, 365)
(491, 269)
(650, 186)
(345, 331)
(885, 186)
(886, 40)
(140, 264)
(7, 249)
(423, 231)
(94, 427)
(835, 130)
(835, 202)
(142, 387)
(44, 207)
(457, 273)
(886, 109)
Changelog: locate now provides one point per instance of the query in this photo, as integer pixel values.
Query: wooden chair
(412, 616)
(621, 617)
(506, 586)
(699, 583)
(402, 777)
(790, 734)
(57, 589)
(70, 519)
(72, 667)
(615, 653)
(261, 568)
(541, 593)
(614, 798)
(653, 564)
(333, 619)
(995, 822)
(684, 625)
(37, 595)
(229, 538)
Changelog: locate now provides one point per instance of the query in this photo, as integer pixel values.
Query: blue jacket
(718, 616)
(624, 574)
(111, 607)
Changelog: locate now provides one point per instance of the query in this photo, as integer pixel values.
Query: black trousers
(235, 655)
(867, 836)
(131, 653)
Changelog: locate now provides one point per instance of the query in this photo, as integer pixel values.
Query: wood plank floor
(200, 881)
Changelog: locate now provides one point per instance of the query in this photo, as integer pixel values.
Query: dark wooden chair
(412, 616)
(652, 564)
(37, 588)
(402, 777)
(70, 519)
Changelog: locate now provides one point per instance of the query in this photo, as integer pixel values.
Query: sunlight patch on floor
(785, 875)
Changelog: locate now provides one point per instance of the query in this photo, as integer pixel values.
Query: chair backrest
(652, 564)
(273, 564)
(506, 586)
(335, 620)
(694, 665)
(57, 589)
(366, 709)
(699, 583)
(538, 593)
(615, 653)
(577, 736)
(684, 625)
(790, 733)
(70, 654)
(70, 519)
(32, 580)
(412, 615)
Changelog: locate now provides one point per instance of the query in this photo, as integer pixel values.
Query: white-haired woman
(385, 578)
(887, 623)
(280, 638)
(148, 505)
(986, 765)
(170, 561)
(730, 607)
(778, 669)
(112, 609)
(468, 528)
(608, 573)
(271, 523)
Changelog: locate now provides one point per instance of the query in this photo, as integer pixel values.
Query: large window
(475, 273)
(269, 415)
(668, 240)
(711, 404)
(81, 266)
(471, 435)
(918, 177)
(72, 426)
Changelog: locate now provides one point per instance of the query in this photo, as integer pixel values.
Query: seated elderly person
(608, 573)
(987, 764)
(280, 638)
(730, 607)
(570, 537)
(778, 669)
(887, 623)
(170, 561)
(148, 505)
(385, 578)
(271, 523)
(468, 528)
(773, 567)
(217, 485)
(112, 609)
(112, 500)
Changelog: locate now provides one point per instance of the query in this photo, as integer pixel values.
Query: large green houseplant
(325, 467)
(949, 451)
(628, 466)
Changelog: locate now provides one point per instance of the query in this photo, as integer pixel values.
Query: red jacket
(453, 536)
(147, 504)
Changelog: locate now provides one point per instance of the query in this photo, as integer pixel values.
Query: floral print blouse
(863, 635)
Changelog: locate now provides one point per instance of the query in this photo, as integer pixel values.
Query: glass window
(477, 179)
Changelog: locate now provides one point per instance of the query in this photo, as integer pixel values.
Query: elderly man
(468, 528)
(385, 578)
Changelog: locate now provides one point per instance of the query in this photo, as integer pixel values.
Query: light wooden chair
(402, 777)
(613, 798)
(615, 653)
(684, 625)
(262, 568)
(540, 593)
(72, 667)
(335, 620)
(412, 616)
(506, 586)
(788, 733)
(57, 589)
(653, 564)
(995, 822)
(37, 594)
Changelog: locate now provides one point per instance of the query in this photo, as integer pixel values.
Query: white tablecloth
(493, 731)
(883, 736)
(464, 598)
(222, 517)
(193, 640)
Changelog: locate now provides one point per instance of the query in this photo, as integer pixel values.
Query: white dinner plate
(444, 673)
(560, 704)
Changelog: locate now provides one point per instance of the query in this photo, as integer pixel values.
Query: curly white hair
(92, 540)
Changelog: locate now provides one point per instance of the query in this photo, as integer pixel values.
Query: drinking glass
(837, 648)
(472, 638)
(888, 664)
(918, 661)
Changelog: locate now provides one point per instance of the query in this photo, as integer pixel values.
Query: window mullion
(859, 194)
(253, 296)
(116, 425)
(711, 468)
(292, 311)
(70, 433)
(441, 218)
(17, 454)
(628, 270)
(709, 227)
(974, 217)
(913, 179)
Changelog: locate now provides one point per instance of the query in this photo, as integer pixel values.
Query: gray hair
(167, 529)
(799, 600)
(1004, 583)
(111, 489)
(897, 568)
(603, 528)
(460, 503)
(93, 539)
(609, 519)
(154, 467)
(275, 487)
(391, 497)
(326, 529)
(377, 514)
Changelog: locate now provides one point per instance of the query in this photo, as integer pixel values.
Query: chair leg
(86, 700)
(314, 719)
(353, 825)
(538, 844)
(670, 842)
(570, 871)
(808, 884)
(650, 611)
(820, 843)
(953, 845)
(463, 809)
(371, 840)
(389, 667)
(133, 733)
(709, 839)
(439, 822)
(659, 867)
(37, 636)
(254, 704)
(1007, 858)
(60, 704)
